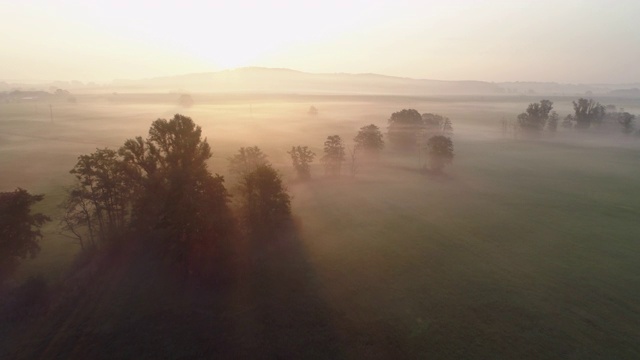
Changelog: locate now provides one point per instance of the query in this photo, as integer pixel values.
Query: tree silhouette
(301, 157)
(19, 229)
(439, 152)
(100, 200)
(587, 112)
(404, 127)
(334, 155)
(626, 120)
(246, 160)
(265, 202)
(175, 192)
(535, 117)
(369, 140)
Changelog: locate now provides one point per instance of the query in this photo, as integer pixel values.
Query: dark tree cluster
(302, 158)
(408, 130)
(587, 114)
(439, 152)
(19, 229)
(428, 133)
(536, 116)
(161, 188)
(159, 185)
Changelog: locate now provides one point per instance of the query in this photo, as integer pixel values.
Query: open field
(527, 249)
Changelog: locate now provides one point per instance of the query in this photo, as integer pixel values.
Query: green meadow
(525, 248)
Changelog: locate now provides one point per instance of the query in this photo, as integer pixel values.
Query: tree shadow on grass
(281, 313)
(132, 305)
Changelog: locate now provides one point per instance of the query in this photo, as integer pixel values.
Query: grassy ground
(526, 249)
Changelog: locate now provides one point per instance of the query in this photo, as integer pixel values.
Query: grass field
(526, 249)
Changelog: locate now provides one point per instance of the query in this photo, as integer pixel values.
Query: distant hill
(287, 81)
(267, 80)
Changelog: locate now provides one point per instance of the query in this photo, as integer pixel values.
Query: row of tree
(160, 188)
(587, 114)
(408, 130)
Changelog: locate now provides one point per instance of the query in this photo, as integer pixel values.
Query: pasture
(525, 249)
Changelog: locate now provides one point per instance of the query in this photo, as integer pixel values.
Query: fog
(366, 180)
(520, 230)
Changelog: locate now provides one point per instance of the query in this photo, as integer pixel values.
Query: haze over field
(348, 179)
(576, 41)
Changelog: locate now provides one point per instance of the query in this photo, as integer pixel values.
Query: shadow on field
(279, 310)
(129, 304)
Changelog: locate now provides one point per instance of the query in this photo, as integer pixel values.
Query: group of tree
(161, 187)
(587, 114)
(19, 229)
(408, 130)
(536, 116)
(428, 133)
(367, 145)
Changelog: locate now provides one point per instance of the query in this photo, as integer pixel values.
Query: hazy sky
(576, 41)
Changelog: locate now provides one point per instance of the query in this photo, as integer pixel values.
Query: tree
(552, 124)
(19, 229)
(535, 117)
(626, 120)
(369, 140)
(334, 155)
(100, 200)
(404, 127)
(301, 157)
(176, 193)
(439, 152)
(266, 205)
(78, 218)
(587, 112)
(312, 111)
(246, 160)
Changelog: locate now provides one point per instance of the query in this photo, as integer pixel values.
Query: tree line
(587, 114)
(160, 188)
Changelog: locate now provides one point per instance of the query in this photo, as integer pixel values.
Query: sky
(568, 41)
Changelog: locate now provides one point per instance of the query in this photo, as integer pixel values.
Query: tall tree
(536, 116)
(19, 229)
(404, 127)
(246, 160)
(626, 120)
(301, 157)
(100, 201)
(369, 140)
(587, 113)
(334, 155)
(266, 205)
(439, 152)
(178, 194)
